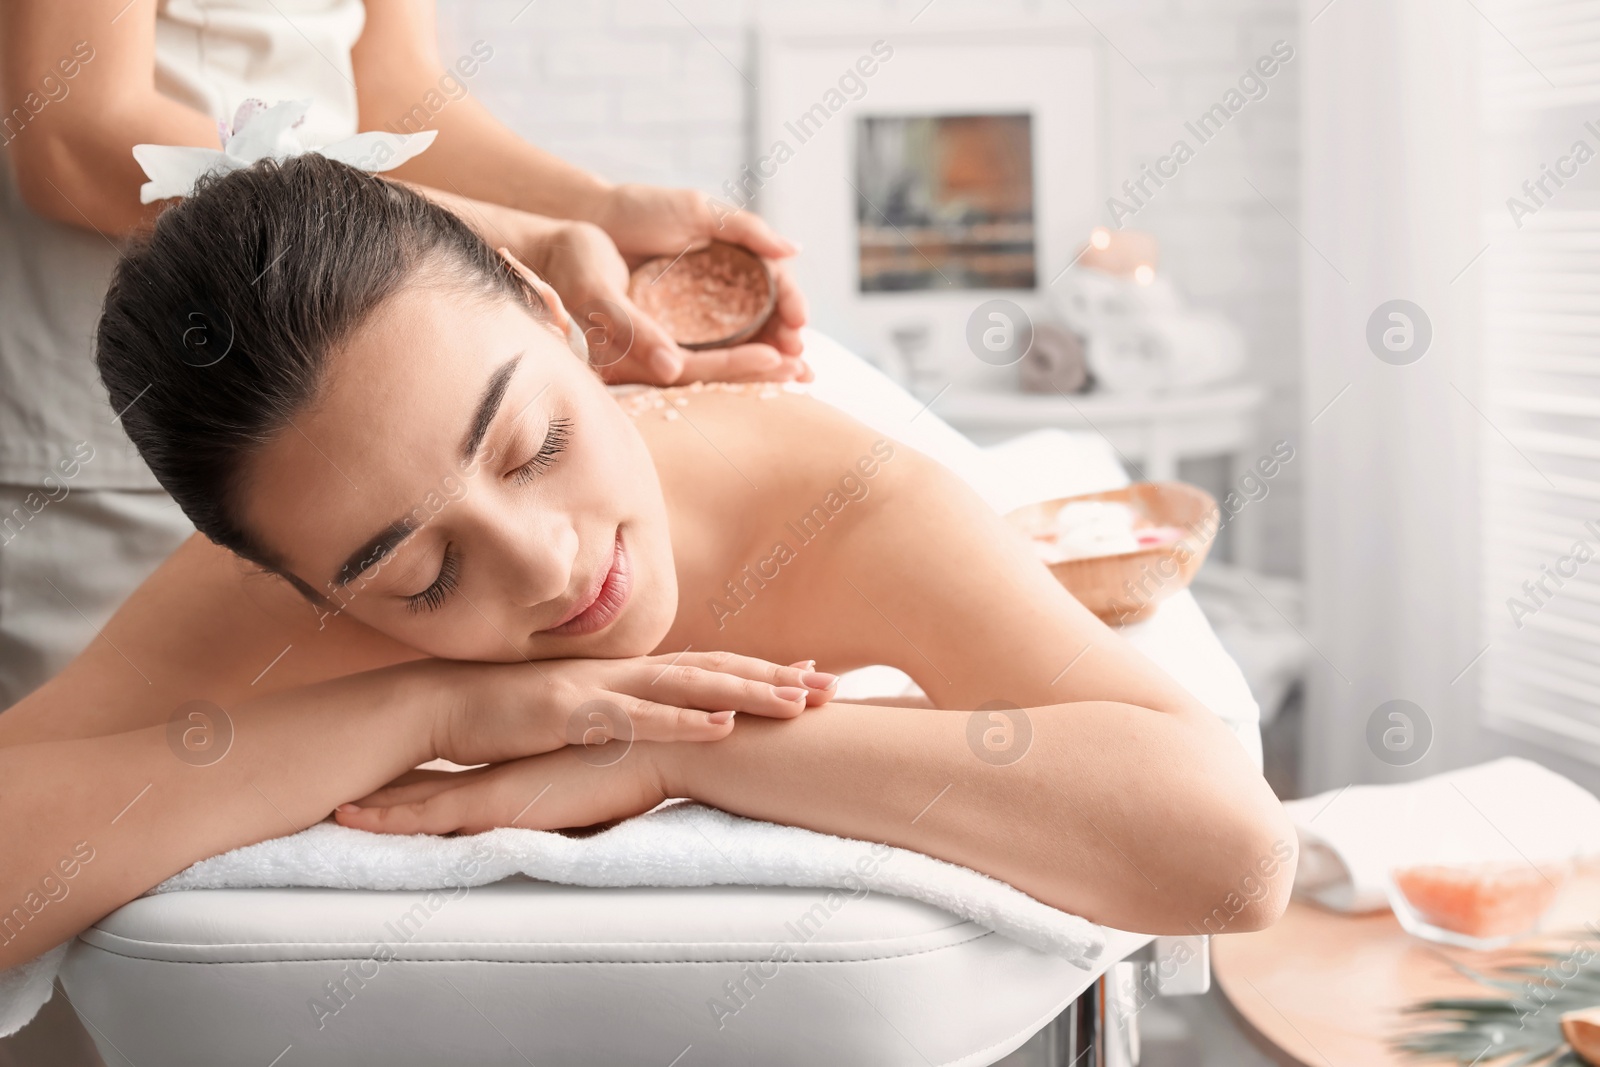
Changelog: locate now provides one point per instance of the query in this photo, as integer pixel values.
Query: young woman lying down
(430, 532)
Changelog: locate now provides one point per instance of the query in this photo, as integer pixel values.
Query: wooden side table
(1325, 990)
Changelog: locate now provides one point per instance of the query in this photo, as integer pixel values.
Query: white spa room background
(1335, 263)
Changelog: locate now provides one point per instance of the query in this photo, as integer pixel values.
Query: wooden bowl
(1126, 587)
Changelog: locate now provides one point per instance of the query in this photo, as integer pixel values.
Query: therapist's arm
(83, 72)
(403, 85)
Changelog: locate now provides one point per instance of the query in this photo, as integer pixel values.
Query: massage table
(529, 972)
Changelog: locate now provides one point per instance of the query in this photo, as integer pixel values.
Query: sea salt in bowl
(712, 297)
(1122, 575)
(1483, 906)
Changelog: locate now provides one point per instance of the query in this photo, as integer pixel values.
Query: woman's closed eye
(555, 439)
(432, 597)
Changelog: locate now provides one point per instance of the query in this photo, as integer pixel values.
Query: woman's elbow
(1249, 885)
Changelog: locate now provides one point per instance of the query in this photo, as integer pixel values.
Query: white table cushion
(527, 972)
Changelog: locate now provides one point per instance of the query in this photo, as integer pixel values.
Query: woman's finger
(490, 797)
(443, 813)
(820, 693)
(551, 791)
(803, 674)
(622, 718)
(653, 720)
(689, 686)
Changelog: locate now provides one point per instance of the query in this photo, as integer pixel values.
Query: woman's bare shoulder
(904, 562)
(792, 437)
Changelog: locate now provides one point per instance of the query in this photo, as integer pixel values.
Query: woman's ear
(559, 318)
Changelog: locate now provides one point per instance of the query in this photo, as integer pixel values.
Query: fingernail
(820, 679)
(789, 692)
(806, 664)
(348, 807)
(719, 717)
(665, 365)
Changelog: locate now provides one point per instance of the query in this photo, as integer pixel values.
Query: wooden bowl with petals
(1127, 586)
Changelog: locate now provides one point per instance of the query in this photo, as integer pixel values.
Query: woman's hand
(570, 787)
(498, 712)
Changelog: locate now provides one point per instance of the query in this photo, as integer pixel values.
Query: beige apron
(211, 55)
(74, 545)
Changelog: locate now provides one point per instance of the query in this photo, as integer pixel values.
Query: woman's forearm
(142, 806)
(1133, 818)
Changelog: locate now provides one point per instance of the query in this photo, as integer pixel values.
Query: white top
(211, 55)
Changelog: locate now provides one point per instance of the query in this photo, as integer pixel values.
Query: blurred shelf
(1024, 411)
(1156, 430)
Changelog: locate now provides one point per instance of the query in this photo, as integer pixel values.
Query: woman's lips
(605, 602)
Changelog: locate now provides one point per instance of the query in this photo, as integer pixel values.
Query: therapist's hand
(580, 261)
(650, 220)
(583, 265)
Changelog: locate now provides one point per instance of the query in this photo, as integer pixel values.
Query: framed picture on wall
(924, 173)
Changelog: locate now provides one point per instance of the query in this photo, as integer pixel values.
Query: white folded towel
(1509, 809)
(678, 844)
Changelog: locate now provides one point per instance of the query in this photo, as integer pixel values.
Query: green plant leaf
(1524, 1023)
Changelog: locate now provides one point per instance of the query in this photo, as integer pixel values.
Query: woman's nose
(537, 555)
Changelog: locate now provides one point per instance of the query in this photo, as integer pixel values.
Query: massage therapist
(82, 521)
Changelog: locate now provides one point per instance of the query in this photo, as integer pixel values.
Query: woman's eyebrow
(375, 551)
(378, 547)
(488, 407)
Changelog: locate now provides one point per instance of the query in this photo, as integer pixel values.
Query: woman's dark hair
(218, 322)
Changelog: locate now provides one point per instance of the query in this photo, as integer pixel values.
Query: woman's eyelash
(433, 596)
(430, 599)
(555, 439)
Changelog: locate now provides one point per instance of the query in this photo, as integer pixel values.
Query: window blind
(1540, 373)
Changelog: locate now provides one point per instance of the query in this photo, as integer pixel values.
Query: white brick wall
(659, 90)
